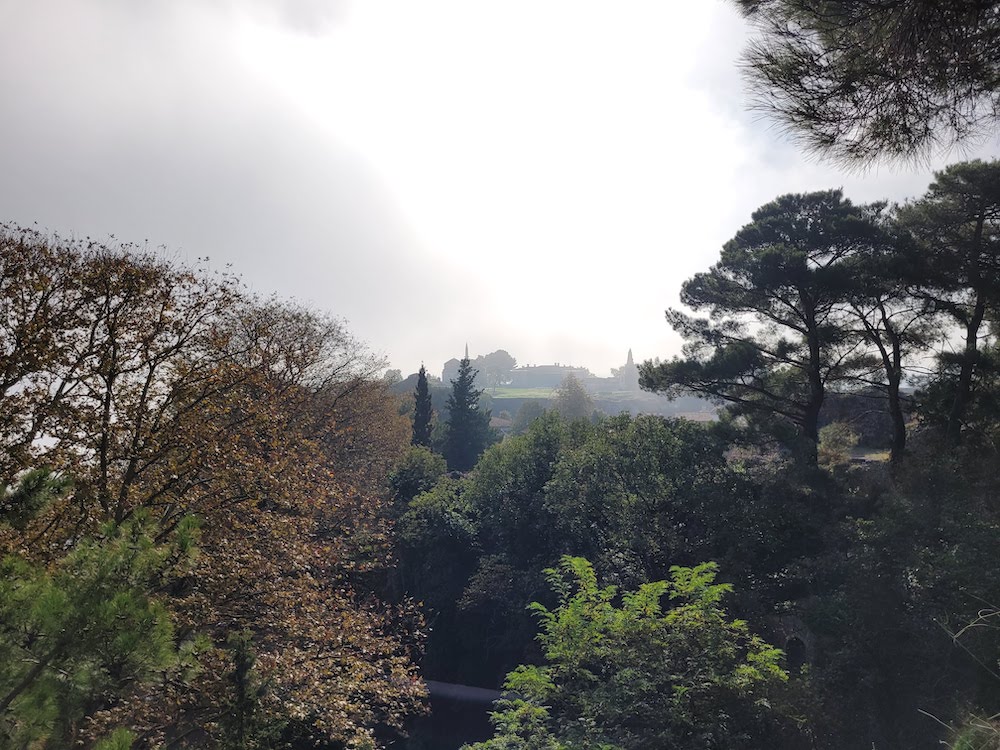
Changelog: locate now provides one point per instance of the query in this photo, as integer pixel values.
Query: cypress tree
(423, 412)
(469, 431)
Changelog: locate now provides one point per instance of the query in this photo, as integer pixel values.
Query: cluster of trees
(866, 577)
(836, 625)
(192, 504)
(840, 619)
(635, 496)
(495, 367)
(466, 433)
(195, 525)
(818, 296)
(215, 523)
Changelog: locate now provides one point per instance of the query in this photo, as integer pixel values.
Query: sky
(533, 175)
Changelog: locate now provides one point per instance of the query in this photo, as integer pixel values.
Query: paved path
(464, 693)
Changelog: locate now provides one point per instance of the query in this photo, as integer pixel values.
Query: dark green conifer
(469, 432)
(423, 412)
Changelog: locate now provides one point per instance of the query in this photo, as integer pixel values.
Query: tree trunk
(898, 421)
(810, 430)
(810, 418)
(894, 375)
(970, 357)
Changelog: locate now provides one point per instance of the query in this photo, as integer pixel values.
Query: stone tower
(630, 374)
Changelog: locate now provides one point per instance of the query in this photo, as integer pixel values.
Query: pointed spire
(629, 361)
(466, 349)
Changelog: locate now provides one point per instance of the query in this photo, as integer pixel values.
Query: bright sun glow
(539, 158)
(534, 176)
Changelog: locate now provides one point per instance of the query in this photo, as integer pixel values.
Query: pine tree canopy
(468, 433)
(423, 412)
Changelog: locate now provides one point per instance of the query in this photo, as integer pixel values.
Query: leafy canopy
(637, 675)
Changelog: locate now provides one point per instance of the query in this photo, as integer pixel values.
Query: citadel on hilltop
(507, 387)
(624, 378)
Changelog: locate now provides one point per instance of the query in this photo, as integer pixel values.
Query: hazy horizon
(537, 177)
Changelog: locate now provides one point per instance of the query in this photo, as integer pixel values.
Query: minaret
(630, 374)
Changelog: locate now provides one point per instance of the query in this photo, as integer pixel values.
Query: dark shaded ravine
(459, 714)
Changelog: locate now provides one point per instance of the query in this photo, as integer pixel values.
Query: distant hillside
(510, 398)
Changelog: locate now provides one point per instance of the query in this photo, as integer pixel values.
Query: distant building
(450, 371)
(545, 376)
(503, 425)
(628, 380)
(625, 378)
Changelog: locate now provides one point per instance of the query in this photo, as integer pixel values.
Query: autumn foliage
(168, 393)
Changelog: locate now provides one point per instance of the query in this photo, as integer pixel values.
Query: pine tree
(85, 629)
(469, 432)
(423, 412)
(957, 225)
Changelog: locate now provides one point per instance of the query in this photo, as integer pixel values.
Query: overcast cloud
(538, 176)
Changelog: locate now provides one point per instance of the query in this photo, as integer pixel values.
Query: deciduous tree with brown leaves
(172, 393)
